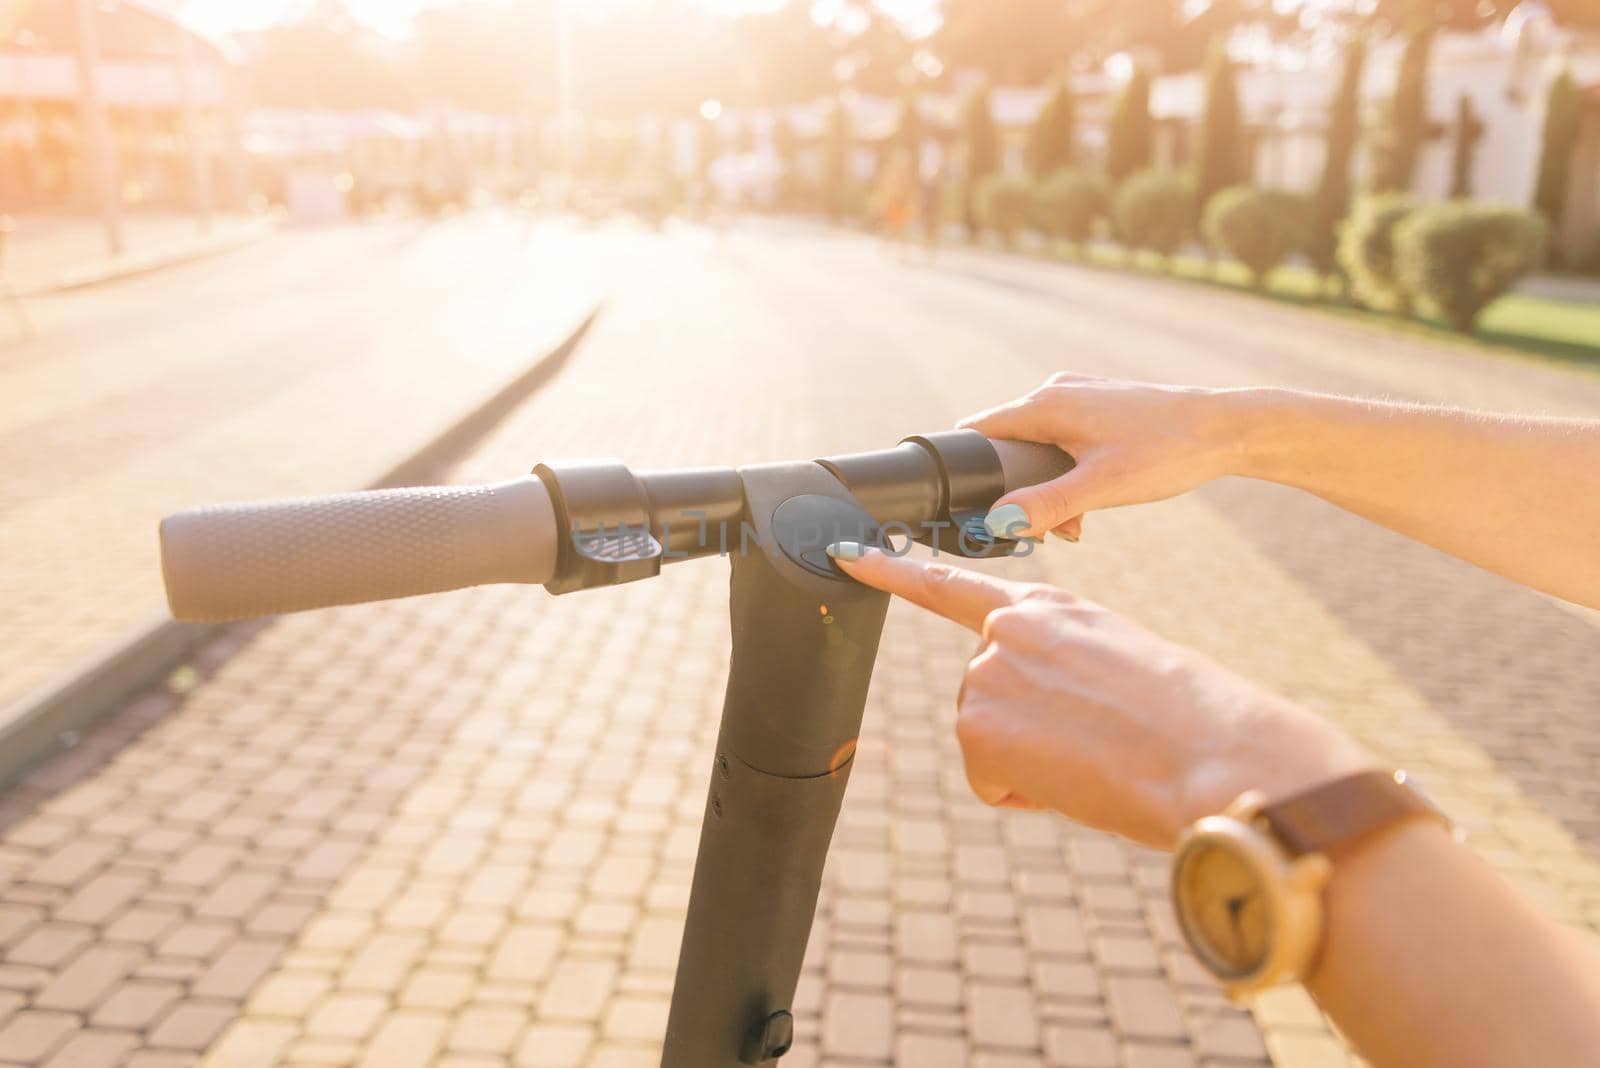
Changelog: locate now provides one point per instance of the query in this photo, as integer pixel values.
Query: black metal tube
(898, 485)
(694, 513)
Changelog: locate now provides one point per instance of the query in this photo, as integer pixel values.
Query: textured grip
(1026, 463)
(242, 560)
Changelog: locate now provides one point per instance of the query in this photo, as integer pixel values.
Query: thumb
(1049, 505)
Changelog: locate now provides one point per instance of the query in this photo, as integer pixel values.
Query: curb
(51, 718)
(106, 273)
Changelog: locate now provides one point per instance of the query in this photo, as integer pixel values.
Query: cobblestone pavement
(312, 362)
(458, 831)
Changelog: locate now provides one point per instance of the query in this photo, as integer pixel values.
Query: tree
(1130, 137)
(786, 146)
(1468, 132)
(1332, 200)
(982, 140)
(984, 34)
(1406, 127)
(708, 148)
(1050, 142)
(1561, 119)
(1220, 158)
(908, 130)
(838, 142)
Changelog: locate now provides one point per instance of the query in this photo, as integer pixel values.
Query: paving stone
(194, 1024)
(1001, 1017)
(553, 1046)
(31, 1035)
(933, 1051)
(95, 1049)
(350, 1016)
(577, 990)
(1082, 1047)
(858, 1025)
(237, 970)
(1144, 1008)
(82, 983)
(406, 1039)
(134, 1005)
(251, 1044)
(50, 944)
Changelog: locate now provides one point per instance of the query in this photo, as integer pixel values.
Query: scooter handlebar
(242, 560)
(1028, 464)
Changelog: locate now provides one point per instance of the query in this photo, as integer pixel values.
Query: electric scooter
(804, 641)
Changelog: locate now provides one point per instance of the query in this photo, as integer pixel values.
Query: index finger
(967, 597)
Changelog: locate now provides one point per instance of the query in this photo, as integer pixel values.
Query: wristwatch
(1247, 885)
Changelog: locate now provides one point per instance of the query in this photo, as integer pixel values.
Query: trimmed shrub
(1070, 202)
(1257, 227)
(1460, 256)
(1154, 210)
(1585, 259)
(1004, 201)
(1366, 250)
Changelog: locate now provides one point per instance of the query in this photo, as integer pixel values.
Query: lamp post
(97, 127)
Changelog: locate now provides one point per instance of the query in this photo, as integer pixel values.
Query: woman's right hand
(1134, 442)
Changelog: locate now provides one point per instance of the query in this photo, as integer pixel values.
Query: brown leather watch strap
(1344, 810)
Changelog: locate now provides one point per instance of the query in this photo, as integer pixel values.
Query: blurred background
(342, 108)
(263, 248)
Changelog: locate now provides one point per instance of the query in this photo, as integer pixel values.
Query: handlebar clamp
(604, 516)
(973, 480)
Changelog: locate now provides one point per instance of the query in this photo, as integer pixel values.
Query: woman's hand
(1069, 707)
(1134, 442)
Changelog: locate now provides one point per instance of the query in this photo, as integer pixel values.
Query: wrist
(1254, 427)
(1281, 752)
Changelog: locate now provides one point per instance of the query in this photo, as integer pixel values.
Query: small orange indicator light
(822, 610)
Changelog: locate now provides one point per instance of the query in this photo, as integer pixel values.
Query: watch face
(1224, 907)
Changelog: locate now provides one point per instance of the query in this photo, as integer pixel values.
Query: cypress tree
(908, 132)
(786, 146)
(983, 149)
(1555, 156)
(1407, 128)
(1469, 130)
(1050, 144)
(1129, 139)
(1220, 157)
(1344, 128)
(837, 143)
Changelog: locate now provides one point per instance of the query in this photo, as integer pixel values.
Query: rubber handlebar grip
(1026, 463)
(242, 560)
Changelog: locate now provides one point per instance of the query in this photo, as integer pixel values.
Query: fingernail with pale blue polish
(846, 550)
(1006, 521)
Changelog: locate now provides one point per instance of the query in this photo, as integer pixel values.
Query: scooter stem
(804, 642)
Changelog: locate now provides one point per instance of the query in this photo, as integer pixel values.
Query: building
(171, 95)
